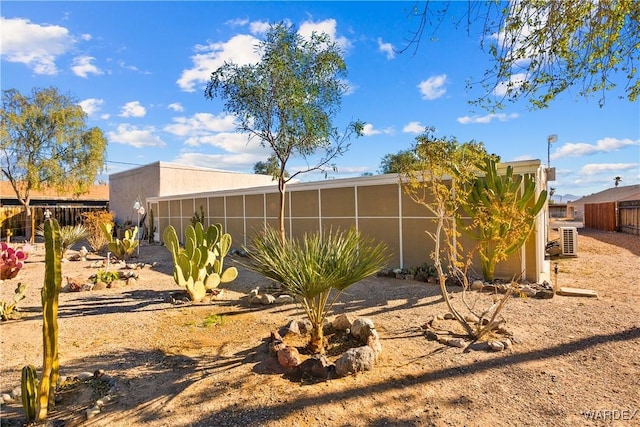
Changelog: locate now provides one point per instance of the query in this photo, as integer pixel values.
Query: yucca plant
(69, 236)
(316, 269)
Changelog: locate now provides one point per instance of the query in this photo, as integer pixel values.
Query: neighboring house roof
(615, 194)
(96, 192)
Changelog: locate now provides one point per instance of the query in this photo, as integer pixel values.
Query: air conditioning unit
(569, 241)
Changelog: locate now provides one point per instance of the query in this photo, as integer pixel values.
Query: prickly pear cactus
(198, 266)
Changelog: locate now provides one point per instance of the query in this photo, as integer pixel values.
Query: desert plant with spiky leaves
(69, 235)
(316, 268)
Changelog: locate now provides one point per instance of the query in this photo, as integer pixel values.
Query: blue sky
(139, 69)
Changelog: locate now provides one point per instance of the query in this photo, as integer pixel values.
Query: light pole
(550, 140)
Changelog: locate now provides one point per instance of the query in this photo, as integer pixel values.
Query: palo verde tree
(447, 178)
(44, 142)
(288, 101)
(543, 48)
(395, 163)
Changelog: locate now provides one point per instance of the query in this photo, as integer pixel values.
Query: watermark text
(611, 414)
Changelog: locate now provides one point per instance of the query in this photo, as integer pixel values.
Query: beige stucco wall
(166, 179)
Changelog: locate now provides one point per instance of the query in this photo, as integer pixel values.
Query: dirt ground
(576, 361)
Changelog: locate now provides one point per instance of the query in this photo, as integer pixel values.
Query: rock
(318, 366)
(409, 277)
(454, 342)
(300, 326)
(361, 328)
(16, 393)
(87, 287)
(476, 285)
(131, 281)
(471, 318)
(288, 357)
(431, 336)
(6, 398)
(506, 342)
(342, 322)
(448, 316)
(495, 345)
(527, 291)
(267, 299)
(545, 294)
(99, 286)
(84, 375)
(355, 360)
(285, 299)
(92, 412)
(374, 342)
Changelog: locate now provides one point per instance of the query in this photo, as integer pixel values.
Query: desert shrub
(93, 221)
(69, 236)
(317, 268)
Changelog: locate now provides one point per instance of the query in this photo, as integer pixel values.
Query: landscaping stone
(300, 326)
(355, 360)
(453, 342)
(495, 345)
(100, 286)
(477, 285)
(285, 299)
(374, 342)
(361, 328)
(267, 299)
(342, 322)
(288, 357)
(318, 366)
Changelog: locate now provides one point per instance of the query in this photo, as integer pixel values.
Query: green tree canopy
(395, 163)
(288, 100)
(543, 48)
(44, 142)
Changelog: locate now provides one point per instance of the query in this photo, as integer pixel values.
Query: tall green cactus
(503, 211)
(50, 291)
(198, 266)
(29, 387)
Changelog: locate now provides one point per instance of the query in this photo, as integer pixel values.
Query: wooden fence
(613, 216)
(13, 218)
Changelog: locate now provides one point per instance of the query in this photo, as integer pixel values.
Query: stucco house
(576, 208)
(162, 179)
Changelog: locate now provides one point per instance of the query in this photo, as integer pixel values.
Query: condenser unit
(569, 241)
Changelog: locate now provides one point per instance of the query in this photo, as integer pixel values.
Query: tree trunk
(281, 190)
(316, 342)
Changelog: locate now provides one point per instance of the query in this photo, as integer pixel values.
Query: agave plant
(69, 236)
(316, 269)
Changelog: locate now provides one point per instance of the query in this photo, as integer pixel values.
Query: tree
(394, 163)
(270, 167)
(44, 142)
(617, 180)
(543, 48)
(288, 101)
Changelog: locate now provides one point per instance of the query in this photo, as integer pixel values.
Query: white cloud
(176, 106)
(82, 66)
(91, 105)
(487, 118)
(259, 27)
(133, 109)
(512, 85)
(386, 48)
(413, 127)
(240, 50)
(238, 22)
(231, 162)
(201, 124)
(369, 130)
(604, 145)
(328, 26)
(86, 37)
(596, 168)
(36, 46)
(216, 131)
(433, 87)
(136, 137)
